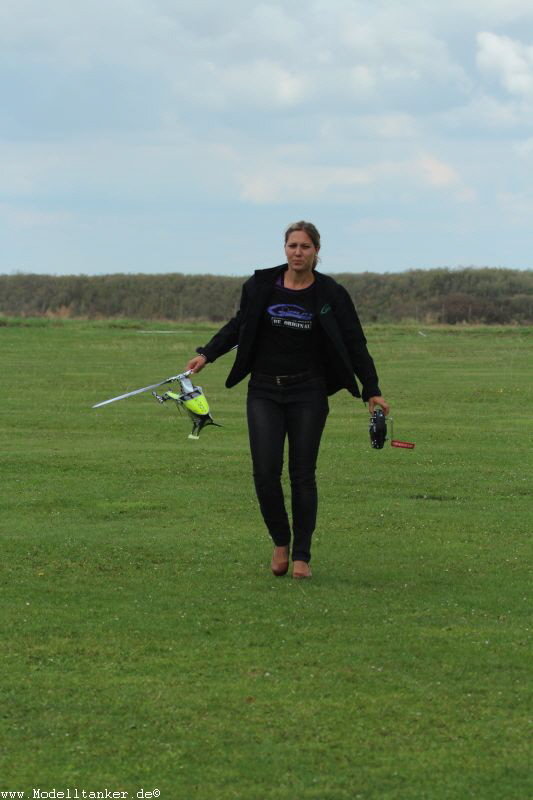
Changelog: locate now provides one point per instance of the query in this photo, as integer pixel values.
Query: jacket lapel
(326, 318)
(265, 280)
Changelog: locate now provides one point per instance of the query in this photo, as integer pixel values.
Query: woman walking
(300, 339)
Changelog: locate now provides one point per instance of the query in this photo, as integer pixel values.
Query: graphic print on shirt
(289, 315)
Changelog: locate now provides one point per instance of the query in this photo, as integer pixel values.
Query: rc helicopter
(191, 398)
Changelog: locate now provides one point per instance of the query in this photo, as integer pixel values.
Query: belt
(284, 380)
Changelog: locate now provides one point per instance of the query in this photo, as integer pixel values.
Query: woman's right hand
(197, 363)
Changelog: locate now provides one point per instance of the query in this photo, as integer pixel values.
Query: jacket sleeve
(355, 341)
(228, 336)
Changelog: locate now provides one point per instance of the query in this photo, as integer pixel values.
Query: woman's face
(300, 251)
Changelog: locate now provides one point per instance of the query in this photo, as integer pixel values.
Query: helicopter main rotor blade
(144, 389)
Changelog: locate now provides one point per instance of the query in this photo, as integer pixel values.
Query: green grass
(145, 643)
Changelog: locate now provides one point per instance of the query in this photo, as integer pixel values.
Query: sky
(169, 136)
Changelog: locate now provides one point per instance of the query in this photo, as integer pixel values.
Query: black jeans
(298, 413)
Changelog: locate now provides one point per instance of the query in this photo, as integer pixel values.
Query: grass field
(145, 644)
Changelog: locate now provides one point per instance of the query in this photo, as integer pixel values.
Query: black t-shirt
(289, 340)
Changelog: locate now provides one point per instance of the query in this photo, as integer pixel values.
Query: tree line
(481, 295)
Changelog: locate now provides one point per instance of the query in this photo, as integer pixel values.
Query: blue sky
(170, 136)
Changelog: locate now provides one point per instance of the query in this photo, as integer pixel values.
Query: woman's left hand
(378, 401)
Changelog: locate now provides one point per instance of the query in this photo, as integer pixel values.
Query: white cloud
(275, 183)
(494, 11)
(249, 104)
(437, 173)
(517, 210)
(27, 169)
(483, 113)
(525, 148)
(362, 79)
(263, 84)
(378, 225)
(29, 218)
(508, 59)
(286, 183)
(393, 126)
(231, 53)
(440, 175)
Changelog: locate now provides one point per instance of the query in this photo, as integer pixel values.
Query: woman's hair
(310, 230)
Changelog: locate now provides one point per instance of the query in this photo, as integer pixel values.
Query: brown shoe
(280, 560)
(301, 569)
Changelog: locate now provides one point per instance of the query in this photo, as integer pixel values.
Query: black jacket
(346, 350)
